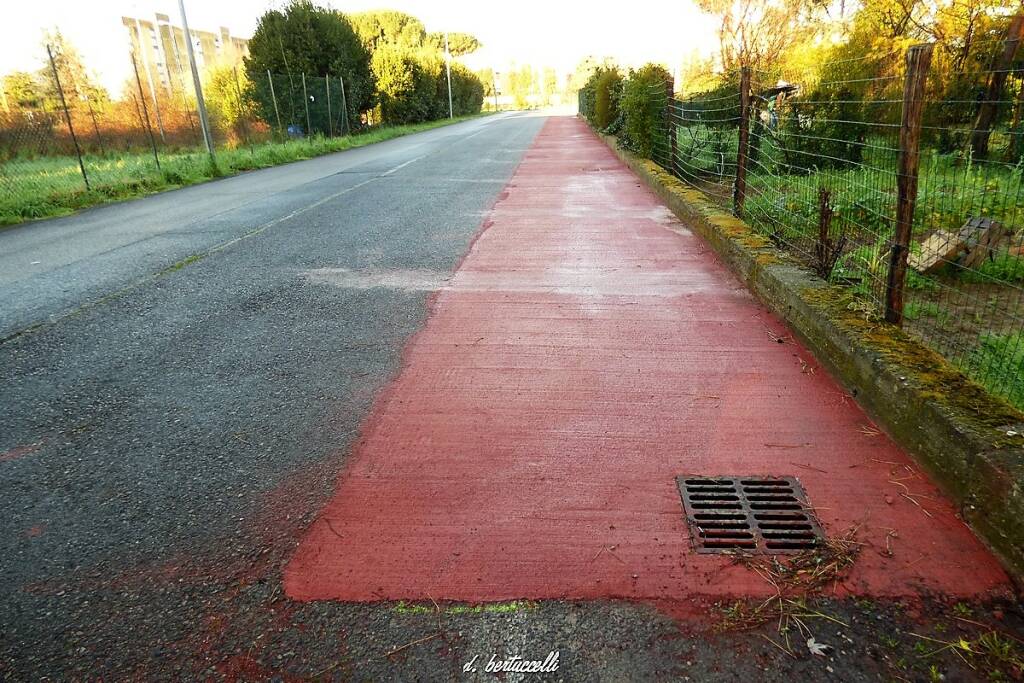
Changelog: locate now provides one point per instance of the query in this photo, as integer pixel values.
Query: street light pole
(448, 68)
(203, 120)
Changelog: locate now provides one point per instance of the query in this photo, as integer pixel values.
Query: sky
(537, 32)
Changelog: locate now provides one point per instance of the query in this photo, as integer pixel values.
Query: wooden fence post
(919, 58)
(740, 187)
(996, 83)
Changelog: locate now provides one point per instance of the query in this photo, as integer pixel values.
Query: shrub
(602, 85)
(406, 88)
(467, 91)
(606, 106)
(643, 103)
(413, 86)
(306, 38)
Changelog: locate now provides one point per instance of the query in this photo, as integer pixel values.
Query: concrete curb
(961, 434)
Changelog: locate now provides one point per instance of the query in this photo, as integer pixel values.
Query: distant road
(49, 268)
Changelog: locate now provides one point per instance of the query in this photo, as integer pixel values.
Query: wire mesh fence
(63, 144)
(295, 105)
(895, 175)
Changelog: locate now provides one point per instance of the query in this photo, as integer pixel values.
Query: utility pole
(494, 88)
(204, 122)
(448, 68)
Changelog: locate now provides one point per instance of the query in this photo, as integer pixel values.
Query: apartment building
(161, 50)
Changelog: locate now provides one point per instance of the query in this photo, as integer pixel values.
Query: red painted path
(587, 351)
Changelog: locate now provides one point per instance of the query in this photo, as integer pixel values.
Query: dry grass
(794, 578)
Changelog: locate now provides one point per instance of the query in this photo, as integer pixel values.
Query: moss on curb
(971, 441)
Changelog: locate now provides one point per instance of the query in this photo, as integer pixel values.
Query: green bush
(412, 85)
(467, 91)
(406, 88)
(643, 103)
(606, 106)
(598, 98)
(306, 38)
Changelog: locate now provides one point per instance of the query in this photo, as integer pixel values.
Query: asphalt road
(182, 377)
(173, 365)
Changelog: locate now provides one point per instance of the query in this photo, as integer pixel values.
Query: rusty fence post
(919, 58)
(739, 193)
(67, 117)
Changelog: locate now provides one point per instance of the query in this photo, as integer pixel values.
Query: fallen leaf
(819, 649)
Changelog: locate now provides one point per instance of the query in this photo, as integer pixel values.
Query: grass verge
(52, 186)
(1002, 355)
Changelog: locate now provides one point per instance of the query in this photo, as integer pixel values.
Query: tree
(387, 27)
(458, 43)
(223, 89)
(893, 19)
(550, 84)
(486, 78)
(23, 90)
(304, 38)
(406, 85)
(74, 79)
(407, 64)
(755, 33)
(584, 71)
(521, 84)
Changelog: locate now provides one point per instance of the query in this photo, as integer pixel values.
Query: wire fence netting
(821, 180)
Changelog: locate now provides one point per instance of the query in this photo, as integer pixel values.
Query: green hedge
(642, 109)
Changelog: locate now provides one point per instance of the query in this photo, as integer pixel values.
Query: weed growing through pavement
(997, 655)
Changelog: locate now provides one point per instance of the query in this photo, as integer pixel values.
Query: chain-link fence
(64, 145)
(896, 175)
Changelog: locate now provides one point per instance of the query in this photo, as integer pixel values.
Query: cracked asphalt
(182, 378)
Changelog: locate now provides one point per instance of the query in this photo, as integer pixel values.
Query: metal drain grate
(764, 515)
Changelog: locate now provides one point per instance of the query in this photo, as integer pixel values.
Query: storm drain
(766, 515)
